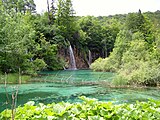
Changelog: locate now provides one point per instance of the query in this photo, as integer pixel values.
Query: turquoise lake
(67, 85)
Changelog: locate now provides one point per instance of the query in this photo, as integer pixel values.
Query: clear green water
(75, 76)
(68, 85)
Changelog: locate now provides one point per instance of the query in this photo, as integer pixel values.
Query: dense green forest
(128, 44)
(136, 53)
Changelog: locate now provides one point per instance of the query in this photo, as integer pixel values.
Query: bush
(90, 109)
(39, 64)
(107, 65)
(98, 65)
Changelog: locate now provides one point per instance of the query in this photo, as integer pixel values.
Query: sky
(106, 7)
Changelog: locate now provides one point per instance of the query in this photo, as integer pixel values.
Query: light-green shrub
(90, 109)
(98, 65)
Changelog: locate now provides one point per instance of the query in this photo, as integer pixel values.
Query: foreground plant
(90, 109)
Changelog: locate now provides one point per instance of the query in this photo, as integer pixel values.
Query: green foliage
(22, 6)
(143, 73)
(48, 52)
(138, 66)
(137, 22)
(98, 64)
(25, 37)
(17, 41)
(32, 42)
(97, 36)
(39, 64)
(65, 21)
(135, 54)
(23, 46)
(90, 109)
(113, 62)
(14, 78)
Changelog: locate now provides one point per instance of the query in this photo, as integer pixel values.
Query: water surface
(57, 86)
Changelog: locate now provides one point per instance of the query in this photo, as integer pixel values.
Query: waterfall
(90, 57)
(72, 59)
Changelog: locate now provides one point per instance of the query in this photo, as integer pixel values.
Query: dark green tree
(136, 22)
(65, 20)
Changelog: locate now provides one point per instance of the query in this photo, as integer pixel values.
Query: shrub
(97, 65)
(38, 64)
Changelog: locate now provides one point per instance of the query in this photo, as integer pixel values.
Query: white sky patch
(106, 7)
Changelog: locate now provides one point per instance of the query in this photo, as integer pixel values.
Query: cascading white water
(72, 59)
(90, 57)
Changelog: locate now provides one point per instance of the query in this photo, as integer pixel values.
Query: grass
(14, 78)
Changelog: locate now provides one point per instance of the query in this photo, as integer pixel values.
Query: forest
(126, 46)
